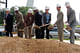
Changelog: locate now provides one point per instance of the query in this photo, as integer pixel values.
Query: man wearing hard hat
(71, 20)
(28, 22)
(19, 22)
(46, 21)
(9, 23)
(38, 22)
(60, 23)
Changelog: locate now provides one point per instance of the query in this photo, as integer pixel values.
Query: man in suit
(38, 22)
(28, 22)
(9, 23)
(46, 21)
(60, 23)
(19, 22)
(71, 21)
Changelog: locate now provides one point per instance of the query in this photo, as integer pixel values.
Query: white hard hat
(7, 9)
(16, 9)
(46, 7)
(67, 4)
(30, 10)
(58, 5)
(35, 8)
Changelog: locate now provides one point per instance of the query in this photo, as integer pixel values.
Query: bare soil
(20, 45)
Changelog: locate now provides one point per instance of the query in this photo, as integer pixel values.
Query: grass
(64, 39)
(78, 26)
(58, 39)
(1, 24)
(64, 26)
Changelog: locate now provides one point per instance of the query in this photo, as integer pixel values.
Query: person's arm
(24, 21)
(21, 19)
(50, 19)
(71, 17)
(4, 20)
(32, 20)
(43, 18)
(12, 19)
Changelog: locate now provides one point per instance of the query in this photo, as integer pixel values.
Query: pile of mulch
(20, 45)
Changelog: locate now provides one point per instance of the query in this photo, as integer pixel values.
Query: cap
(67, 4)
(35, 8)
(30, 10)
(16, 9)
(58, 5)
(47, 7)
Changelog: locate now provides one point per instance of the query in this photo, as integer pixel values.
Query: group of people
(41, 22)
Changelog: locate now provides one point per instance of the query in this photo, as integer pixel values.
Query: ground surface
(19, 45)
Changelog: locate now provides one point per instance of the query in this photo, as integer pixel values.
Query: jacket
(60, 22)
(45, 19)
(19, 20)
(9, 22)
(28, 20)
(38, 19)
(71, 17)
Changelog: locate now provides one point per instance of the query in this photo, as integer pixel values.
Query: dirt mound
(19, 45)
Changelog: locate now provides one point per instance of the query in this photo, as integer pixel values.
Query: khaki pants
(60, 34)
(28, 32)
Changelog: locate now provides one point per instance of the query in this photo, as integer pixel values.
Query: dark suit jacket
(45, 19)
(38, 19)
(9, 22)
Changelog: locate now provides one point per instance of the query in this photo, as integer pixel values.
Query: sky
(40, 4)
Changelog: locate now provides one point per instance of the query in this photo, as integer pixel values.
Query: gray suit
(72, 23)
(60, 25)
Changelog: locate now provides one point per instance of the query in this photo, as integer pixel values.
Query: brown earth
(19, 45)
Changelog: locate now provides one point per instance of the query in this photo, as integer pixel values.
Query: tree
(2, 15)
(41, 11)
(23, 10)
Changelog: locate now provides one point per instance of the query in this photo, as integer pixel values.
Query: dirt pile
(19, 45)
